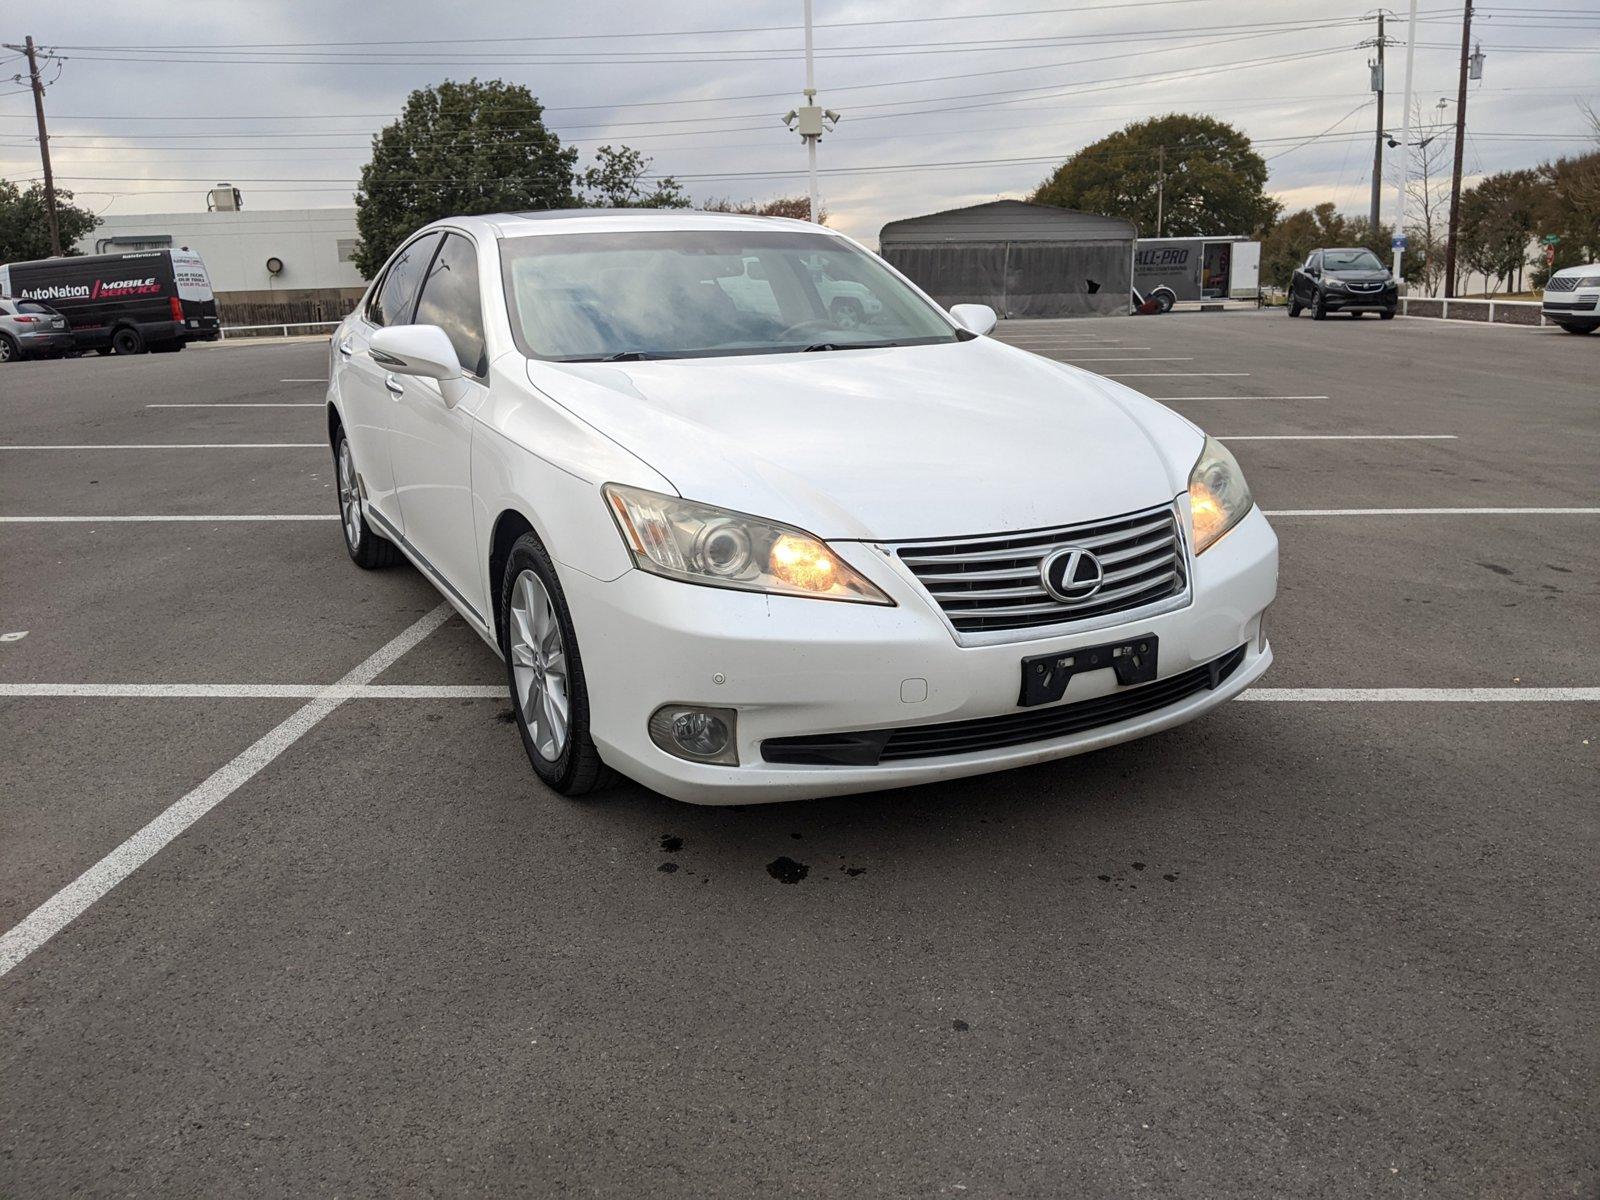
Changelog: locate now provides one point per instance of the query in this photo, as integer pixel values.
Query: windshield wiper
(627, 356)
(817, 347)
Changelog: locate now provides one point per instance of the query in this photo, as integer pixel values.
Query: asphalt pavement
(1321, 943)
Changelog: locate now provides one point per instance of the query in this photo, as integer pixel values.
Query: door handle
(344, 348)
(396, 388)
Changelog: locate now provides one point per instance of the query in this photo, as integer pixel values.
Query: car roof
(615, 220)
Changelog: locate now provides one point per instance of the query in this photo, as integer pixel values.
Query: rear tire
(9, 350)
(367, 550)
(102, 351)
(544, 673)
(127, 340)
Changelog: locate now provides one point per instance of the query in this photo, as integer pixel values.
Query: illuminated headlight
(1219, 498)
(698, 543)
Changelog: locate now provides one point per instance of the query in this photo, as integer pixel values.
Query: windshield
(698, 293)
(1351, 260)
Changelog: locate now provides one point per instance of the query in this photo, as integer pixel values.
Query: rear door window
(394, 299)
(450, 300)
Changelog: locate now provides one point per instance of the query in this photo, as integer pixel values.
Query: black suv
(1351, 281)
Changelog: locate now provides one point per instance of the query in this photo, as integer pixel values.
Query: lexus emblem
(1071, 574)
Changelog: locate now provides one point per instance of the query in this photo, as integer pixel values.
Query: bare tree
(1427, 201)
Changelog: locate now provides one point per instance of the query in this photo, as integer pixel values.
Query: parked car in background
(737, 549)
(1572, 298)
(123, 303)
(29, 329)
(1349, 280)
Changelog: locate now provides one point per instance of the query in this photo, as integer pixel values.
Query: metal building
(1021, 259)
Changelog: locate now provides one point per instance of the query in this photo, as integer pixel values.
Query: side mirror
(1314, 272)
(974, 318)
(423, 350)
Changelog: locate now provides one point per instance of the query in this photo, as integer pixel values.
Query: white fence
(228, 331)
(1485, 312)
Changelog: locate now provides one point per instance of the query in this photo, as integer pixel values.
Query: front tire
(1294, 307)
(1387, 314)
(1579, 329)
(1319, 308)
(9, 351)
(367, 550)
(544, 672)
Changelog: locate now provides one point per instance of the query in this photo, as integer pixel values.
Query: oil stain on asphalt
(785, 870)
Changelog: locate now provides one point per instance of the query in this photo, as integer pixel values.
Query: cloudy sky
(944, 103)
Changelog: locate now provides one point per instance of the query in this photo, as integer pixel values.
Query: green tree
(618, 180)
(1498, 218)
(1570, 209)
(25, 228)
(458, 149)
(797, 208)
(1286, 244)
(1202, 173)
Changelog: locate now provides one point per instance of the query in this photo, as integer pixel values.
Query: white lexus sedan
(740, 547)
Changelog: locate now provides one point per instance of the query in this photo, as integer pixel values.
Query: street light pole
(1461, 137)
(1405, 146)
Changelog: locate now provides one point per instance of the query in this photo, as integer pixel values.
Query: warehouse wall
(1023, 279)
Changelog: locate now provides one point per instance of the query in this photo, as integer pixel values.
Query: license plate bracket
(1045, 676)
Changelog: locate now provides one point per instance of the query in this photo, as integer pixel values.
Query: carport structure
(1022, 260)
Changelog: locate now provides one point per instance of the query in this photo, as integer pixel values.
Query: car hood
(888, 444)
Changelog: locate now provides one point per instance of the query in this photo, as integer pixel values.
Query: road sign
(1399, 242)
(1550, 239)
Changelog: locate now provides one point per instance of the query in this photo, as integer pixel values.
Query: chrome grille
(995, 582)
(1562, 283)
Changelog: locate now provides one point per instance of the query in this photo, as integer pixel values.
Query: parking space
(1305, 946)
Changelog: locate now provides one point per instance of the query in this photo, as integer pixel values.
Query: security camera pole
(811, 121)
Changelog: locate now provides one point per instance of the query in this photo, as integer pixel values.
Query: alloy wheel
(539, 666)
(349, 496)
(5, 349)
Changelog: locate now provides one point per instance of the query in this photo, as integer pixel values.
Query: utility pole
(809, 120)
(1378, 136)
(1405, 147)
(1161, 185)
(1461, 138)
(44, 142)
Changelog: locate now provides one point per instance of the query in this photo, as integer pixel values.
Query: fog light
(697, 734)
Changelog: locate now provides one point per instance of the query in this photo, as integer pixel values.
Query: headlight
(1218, 495)
(1588, 281)
(697, 543)
(1336, 284)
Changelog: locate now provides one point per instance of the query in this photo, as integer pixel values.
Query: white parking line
(56, 913)
(407, 691)
(251, 691)
(1176, 375)
(302, 381)
(1460, 695)
(1426, 512)
(179, 517)
(1130, 358)
(1169, 399)
(180, 446)
(1335, 437)
(251, 404)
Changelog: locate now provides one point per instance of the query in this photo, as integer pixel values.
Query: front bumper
(1384, 301)
(793, 667)
(1580, 306)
